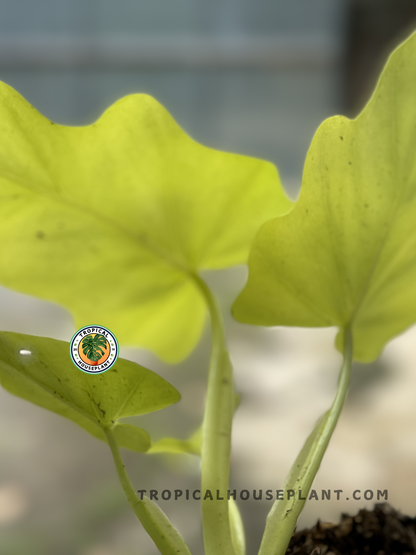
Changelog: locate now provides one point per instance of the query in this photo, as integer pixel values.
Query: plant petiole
(165, 536)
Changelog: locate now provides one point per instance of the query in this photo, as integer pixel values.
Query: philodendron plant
(134, 201)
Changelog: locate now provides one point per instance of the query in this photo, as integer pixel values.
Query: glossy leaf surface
(130, 206)
(346, 254)
(40, 370)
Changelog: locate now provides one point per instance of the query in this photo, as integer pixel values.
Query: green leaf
(48, 378)
(170, 208)
(346, 253)
(191, 446)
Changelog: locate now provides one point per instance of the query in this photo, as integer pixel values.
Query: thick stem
(283, 516)
(154, 521)
(216, 438)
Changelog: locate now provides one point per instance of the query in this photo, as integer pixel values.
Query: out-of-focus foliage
(40, 370)
(345, 256)
(113, 220)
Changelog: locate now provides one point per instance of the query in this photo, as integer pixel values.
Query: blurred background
(253, 77)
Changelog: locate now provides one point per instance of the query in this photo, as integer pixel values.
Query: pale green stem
(154, 521)
(283, 516)
(216, 437)
(237, 529)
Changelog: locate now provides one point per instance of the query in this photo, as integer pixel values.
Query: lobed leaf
(40, 370)
(346, 254)
(131, 206)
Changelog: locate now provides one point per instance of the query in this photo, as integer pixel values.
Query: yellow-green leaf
(40, 370)
(130, 207)
(191, 446)
(346, 254)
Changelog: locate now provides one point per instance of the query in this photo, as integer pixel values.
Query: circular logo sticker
(94, 349)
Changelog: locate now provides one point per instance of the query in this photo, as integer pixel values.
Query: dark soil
(382, 531)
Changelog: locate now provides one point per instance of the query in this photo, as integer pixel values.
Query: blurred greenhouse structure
(252, 77)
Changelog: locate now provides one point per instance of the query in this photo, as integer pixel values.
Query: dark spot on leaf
(224, 380)
(342, 138)
(40, 235)
(365, 205)
(59, 379)
(52, 123)
(113, 421)
(349, 163)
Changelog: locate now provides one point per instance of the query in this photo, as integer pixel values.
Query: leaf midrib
(127, 399)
